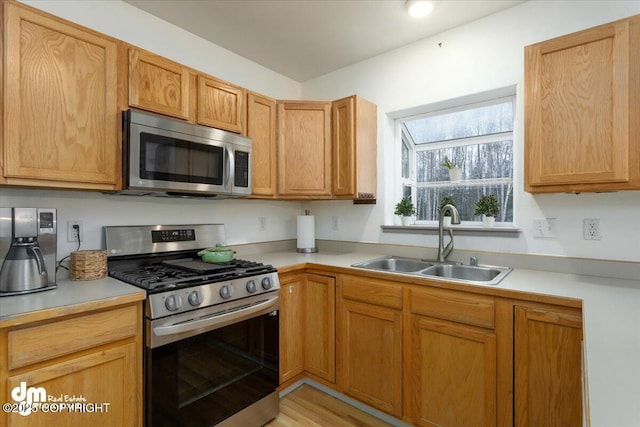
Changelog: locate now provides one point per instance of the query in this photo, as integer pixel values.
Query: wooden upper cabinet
(304, 149)
(581, 102)
(158, 84)
(354, 124)
(261, 128)
(221, 105)
(61, 110)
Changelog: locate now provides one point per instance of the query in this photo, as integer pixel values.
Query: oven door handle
(220, 320)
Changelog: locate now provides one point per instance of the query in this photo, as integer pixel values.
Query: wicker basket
(88, 265)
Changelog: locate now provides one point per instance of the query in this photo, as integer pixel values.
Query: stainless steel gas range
(211, 330)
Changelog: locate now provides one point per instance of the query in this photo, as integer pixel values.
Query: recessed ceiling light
(419, 8)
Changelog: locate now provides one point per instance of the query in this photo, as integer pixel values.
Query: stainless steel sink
(397, 264)
(468, 273)
(452, 272)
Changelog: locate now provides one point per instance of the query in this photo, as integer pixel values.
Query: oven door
(211, 373)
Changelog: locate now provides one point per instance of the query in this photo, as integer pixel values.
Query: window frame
(405, 138)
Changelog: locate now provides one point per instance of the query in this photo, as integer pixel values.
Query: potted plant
(488, 207)
(405, 209)
(446, 200)
(455, 173)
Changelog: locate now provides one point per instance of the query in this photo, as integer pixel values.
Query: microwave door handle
(229, 161)
(267, 306)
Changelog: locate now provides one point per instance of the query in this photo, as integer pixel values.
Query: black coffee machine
(28, 241)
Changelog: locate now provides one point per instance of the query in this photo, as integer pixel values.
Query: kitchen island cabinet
(370, 342)
(582, 97)
(92, 358)
(61, 107)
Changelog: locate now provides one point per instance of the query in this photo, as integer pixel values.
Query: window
(477, 138)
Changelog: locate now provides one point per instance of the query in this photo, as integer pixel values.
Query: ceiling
(303, 39)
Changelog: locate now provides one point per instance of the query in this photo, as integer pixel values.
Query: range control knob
(195, 298)
(226, 291)
(266, 283)
(251, 286)
(173, 302)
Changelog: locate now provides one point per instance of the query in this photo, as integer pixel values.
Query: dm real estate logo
(27, 400)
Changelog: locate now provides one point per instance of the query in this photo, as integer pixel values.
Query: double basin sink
(453, 272)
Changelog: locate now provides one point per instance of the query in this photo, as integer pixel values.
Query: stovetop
(185, 272)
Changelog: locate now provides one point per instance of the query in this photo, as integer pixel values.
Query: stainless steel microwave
(169, 157)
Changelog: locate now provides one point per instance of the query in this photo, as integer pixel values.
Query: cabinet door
(371, 355)
(453, 367)
(578, 109)
(61, 107)
(105, 379)
(261, 128)
(548, 360)
(221, 105)
(158, 84)
(354, 131)
(304, 149)
(320, 337)
(291, 326)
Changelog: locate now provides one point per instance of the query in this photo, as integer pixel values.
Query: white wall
(124, 22)
(483, 55)
(479, 56)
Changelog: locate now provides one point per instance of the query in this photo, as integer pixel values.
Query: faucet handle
(473, 261)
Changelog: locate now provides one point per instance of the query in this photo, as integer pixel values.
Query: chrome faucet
(443, 252)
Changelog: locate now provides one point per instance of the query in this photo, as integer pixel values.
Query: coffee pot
(26, 268)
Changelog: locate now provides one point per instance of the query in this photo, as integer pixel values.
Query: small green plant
(405, 207)
(487, 205)
(446, 200)
(447, 163)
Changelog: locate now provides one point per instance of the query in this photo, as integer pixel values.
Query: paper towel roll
(306, 234)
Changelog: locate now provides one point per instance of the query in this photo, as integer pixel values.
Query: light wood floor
(309, 407)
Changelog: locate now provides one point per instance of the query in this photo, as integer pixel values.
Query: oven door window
(176, 160)
(204, 379)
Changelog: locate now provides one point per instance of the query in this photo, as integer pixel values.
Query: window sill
(471, 230)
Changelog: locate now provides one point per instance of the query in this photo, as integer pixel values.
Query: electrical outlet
(262, 223)
(544, 228)
(591, 229)
(335, 224)
(74, 235)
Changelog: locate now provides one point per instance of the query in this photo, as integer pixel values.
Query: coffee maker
(28, 243)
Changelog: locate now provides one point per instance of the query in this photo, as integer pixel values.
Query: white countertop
(611, 313)
(67, 294)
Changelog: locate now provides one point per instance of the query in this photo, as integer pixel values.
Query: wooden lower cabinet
(547, 360)
(453, 371)
(291, 326)
(92, 360)
(319, 326)
(307, 326)
(370, 342)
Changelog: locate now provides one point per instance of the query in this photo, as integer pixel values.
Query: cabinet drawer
(372, 291)
(44, 342)
(461, 307)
